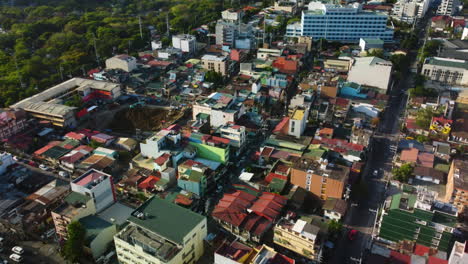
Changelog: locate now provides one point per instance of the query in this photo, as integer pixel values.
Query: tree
(94, 144)
(334, 227)
(403, 173)
(214, 77)
(424, 117)
(73, 247)
(376, 53)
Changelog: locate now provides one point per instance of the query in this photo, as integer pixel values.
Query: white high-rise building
(408, 10)
(344, 23)
(448, 7)
(185, 42)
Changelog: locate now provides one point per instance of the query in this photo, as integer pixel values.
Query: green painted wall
(211, 153)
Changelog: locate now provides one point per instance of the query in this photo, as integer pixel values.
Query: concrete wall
(101, 243)
(211, 152)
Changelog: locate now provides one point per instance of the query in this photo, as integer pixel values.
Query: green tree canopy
(403, 173)
(73, 247)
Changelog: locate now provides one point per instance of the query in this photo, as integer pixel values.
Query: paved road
(362, 213)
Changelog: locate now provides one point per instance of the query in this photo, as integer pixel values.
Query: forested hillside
(43, 41)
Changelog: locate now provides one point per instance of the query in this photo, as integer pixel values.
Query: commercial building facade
(299, 236)
(49, 104)
(341, 23)
(447, 71)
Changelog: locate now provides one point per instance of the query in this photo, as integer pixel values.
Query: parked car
(375, 173)
(43, 167)
(16, 258)
(352, 234)
(63, 174)
(18, 250)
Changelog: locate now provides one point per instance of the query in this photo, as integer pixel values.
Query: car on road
(16, 258)
(18, 250)
(375, 173)
(63, 174)
(43, 167)
(352, 234)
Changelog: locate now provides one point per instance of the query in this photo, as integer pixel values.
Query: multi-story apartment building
(195, 177)
(448, 7)
(12, 121)
(324, 180)
(298, 122)
(74, 207)
(408, 10)
(456, 190)
(185, 42)
(216, 63)
(405, 217)
(98, 186)
(341, 23)
(221, 109)
(236, 135)
(161, 232)
(299, 236)
(228, 31)
(447, 71)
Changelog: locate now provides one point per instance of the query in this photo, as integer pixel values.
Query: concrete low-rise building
(216, 63)
(123, 61)
(446, 71)
(371, 71)
(161, 232)
(49, 105)
(370, 43)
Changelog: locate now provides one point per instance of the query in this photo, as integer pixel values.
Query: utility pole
(141, 30)
(23, 85)
(95, 49)
(168, 27)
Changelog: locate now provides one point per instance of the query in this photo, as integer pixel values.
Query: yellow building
(300, 237)
(161, 232)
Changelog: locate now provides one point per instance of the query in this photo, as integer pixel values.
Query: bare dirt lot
(144, 118)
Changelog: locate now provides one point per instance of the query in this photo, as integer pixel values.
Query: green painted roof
(285, 144)
(447, 63)
(166, 219)
(277, 185)
(373, 41)
(74, 198)
(93, 225)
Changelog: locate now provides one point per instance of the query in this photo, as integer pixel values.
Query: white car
(63, 174)
(18, 250)
(16, 258)
(43, 167)
(375, 173)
